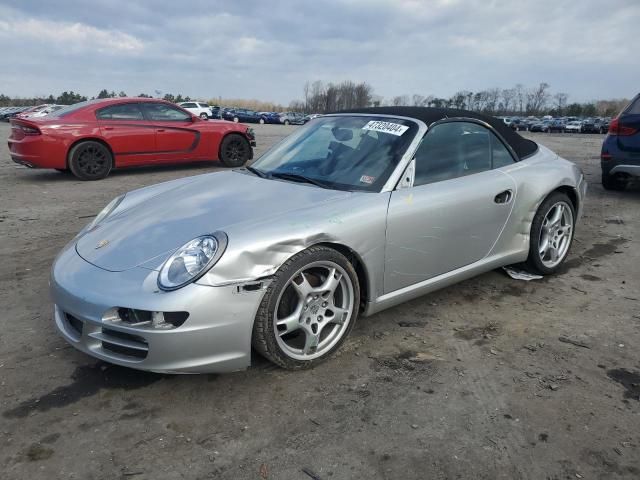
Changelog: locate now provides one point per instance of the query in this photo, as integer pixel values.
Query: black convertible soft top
(520, 145)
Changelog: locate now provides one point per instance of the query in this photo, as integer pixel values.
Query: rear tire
(235, 150)
(90, 160)
(204, 116)
(286, 122)
(549, 235)
(261, 121)
(609, 182)
(236, 119)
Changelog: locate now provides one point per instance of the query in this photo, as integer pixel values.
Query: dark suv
(620, 156)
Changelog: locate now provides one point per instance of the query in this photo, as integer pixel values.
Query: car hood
(143, 233)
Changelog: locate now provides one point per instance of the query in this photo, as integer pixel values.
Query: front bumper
(215, 338)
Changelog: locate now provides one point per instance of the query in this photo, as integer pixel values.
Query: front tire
(90, 160)
(235, 150)
(286, 122)
(308, 309)
(551, 234)
(204, 116)
(261, 121)
(236, 119)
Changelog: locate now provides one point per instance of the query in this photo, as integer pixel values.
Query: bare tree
(492, 96)
(418, 100)
(509, 97)
(520, 96)
(400, 100)
(560, 101)
(537, 98)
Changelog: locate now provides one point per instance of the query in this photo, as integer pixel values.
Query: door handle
(160, 130)
(503, 197)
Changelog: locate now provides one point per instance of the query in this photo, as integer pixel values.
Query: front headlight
(191, 261)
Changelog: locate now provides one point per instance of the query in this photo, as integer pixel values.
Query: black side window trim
(477, 122)
(510, 150)
(142, 106)
(98, 111)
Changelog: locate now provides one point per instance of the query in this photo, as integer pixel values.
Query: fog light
(145, 319)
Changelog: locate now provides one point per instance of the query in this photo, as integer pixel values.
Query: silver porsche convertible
(353, 213)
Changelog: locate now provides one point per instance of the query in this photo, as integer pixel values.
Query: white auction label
(386, 127)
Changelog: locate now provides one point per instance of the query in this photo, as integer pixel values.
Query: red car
(90, 138)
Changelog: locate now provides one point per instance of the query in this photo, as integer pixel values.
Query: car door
(456, 209)
(176, 136)
(132, 138)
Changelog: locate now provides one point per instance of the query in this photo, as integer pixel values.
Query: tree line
(324, 97)
(518, 100)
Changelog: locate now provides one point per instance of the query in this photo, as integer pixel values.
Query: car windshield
(340, 152)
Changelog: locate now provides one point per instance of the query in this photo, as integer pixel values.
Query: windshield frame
(396, 173)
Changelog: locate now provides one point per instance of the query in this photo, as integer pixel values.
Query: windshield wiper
(257, 172)
(296, 177)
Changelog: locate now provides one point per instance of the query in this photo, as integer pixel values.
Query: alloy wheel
(92, 160)
(236, 150)
(556, 234)
(313, 311)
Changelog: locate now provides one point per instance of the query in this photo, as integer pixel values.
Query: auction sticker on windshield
(386, 127)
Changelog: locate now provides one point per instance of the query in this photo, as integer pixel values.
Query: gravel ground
(469, 382)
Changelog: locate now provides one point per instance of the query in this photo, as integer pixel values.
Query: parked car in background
(12, 112)
(574, 126)
(311, 116)
(31, 110)
(269, 117)
(620, 155)
(529, 121)
(602, 125)
(93, 137)
(541, 126)
(292, 118)
(200, 109)
(557, 125)
(241, 115)
(589, 125)
(216, 112)
(333, 222)
(42, 112)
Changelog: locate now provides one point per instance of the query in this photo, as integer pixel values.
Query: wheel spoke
(291, 323)
(303, 288)
(332, 281)
(557, 215)
(544, 244)
(339, 315)
(310, 342)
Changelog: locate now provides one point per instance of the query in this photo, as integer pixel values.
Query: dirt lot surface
(471, 382)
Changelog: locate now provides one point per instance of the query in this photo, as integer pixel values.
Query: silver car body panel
(408, 241)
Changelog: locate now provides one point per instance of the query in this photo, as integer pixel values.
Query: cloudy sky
(268, 49)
